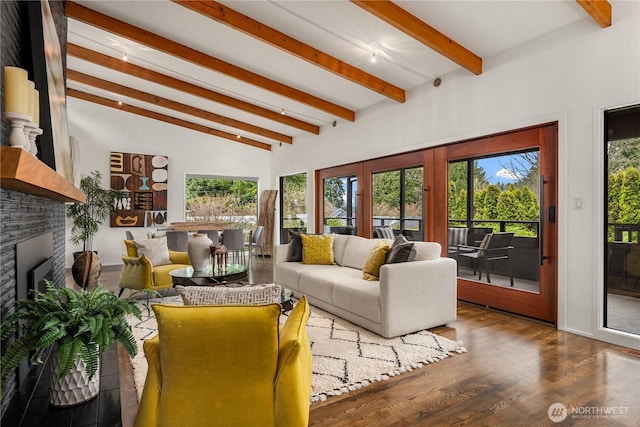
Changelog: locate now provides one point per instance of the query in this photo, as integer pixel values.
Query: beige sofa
(409, 296)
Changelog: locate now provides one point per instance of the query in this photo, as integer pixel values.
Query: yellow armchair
(138, 272)
(227, 366)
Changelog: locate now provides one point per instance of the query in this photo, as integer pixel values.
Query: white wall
(568, 76)
(101, 130)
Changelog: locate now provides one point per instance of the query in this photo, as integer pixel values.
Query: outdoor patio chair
(494, 247)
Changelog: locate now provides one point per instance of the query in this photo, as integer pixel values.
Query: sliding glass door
(501, 210)
(622, 215)
(497, 195)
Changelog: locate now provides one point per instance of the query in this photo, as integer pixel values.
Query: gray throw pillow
(400, 250)
(154, 249)
(296, 247)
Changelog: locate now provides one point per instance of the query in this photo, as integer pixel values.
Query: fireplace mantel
(21, 171)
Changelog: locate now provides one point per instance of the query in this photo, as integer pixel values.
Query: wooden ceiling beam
(168, 81)
(599, 10)
(165, 118)
(83, 78)
(424, 33)
(275, 38)
(170, 47)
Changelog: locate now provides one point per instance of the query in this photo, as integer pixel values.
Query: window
(293, 205)
(397, 201)
(622, 216)
(221, 200)
(340, 205)
(495, 194)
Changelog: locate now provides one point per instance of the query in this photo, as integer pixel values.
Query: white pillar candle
(36, 107)
(30, 88)
(15, 90)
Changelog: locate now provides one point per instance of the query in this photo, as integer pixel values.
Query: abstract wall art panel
(144, 180)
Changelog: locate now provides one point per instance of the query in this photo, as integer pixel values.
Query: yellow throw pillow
(317, 249)
(377, 257)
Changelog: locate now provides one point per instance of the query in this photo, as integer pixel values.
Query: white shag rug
(346, 357)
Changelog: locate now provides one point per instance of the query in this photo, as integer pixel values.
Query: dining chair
(257, 241)
(177, 240)
(214, 235)
(494, 247)
(233, 240)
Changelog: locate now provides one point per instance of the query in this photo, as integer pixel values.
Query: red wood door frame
(542, 305)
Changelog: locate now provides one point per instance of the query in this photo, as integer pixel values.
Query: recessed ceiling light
(125, 57)
(373, 57)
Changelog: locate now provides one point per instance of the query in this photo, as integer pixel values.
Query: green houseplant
(83, 324)
(86, 219)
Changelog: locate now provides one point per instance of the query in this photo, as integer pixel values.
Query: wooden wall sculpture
(144, 179)
(266, 218)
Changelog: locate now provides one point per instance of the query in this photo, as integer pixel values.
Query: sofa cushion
(339, 244)
(288, 274)
(457, 236)
(358, 296)
(295, 253)
(377, 257)
(161, 277)
(400, 250)
(317, 249)
(426, 251)
(357, 251)
(318, 280)
(154, 249)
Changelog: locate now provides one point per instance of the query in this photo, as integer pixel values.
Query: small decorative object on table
(219, 256)
(198, 250)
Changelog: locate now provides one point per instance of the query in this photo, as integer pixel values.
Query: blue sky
(495, 171)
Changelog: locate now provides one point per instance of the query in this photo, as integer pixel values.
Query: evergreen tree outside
(516, 201)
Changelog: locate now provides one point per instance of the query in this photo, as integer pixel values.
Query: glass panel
(506, 206)
(458, 191)
(397, 201)
(293, 189)
(386, 200)
(220, 200)
(622, 250)
(412, 224)
(340, 205)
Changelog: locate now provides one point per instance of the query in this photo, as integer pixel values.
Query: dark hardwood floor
(514, 369)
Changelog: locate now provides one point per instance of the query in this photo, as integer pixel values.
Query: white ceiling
(338, 28)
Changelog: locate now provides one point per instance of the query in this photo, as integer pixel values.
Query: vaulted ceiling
(263, 72)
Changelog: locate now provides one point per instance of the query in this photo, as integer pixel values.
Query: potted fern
(80, 325)
(86, 219)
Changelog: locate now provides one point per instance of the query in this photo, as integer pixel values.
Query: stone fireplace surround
(24, 216)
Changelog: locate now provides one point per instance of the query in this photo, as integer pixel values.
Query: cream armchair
(138, 273)
(227, 366)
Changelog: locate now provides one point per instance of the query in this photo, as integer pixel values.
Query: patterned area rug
(346, 357)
